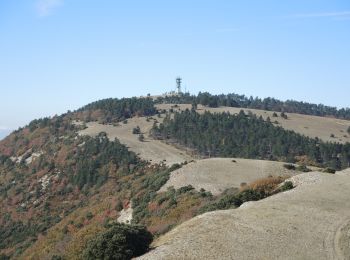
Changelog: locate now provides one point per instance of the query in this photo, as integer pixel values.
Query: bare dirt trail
(217, 174)
(311, 126)
(311, 221)
(151, 150)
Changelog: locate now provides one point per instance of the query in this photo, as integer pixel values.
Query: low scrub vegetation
(136, 130)
(289, 166)
(257, 190)
(329, 170)
(300, 168)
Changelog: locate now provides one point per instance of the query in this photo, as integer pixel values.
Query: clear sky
(57, 55)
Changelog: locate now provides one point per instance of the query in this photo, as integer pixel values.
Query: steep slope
(48, 171)
(309, 222)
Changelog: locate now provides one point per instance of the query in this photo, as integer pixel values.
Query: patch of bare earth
(312, 221)
(125, 215)
(217, 174)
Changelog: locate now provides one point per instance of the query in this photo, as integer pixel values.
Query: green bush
(329, 170)
(284, 115)
(288, 185)
(141, 138)
(119, 241)
(119, 206)
(303, 168)
(136, 130)
(89, 215)
(289, 166)
(234, 200)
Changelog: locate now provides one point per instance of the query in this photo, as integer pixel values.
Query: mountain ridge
(65, 178)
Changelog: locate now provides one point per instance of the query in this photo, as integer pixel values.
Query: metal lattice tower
(178, 84)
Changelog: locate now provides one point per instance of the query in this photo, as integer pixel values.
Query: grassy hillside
(309, 222)
(67, 178)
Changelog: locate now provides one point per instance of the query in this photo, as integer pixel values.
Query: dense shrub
(288, 185)
(136, 130)
(303, 168)
(284, 115)
(257, 190)
(289, 166)
(141, 138)
(119, 241)
(329, 170)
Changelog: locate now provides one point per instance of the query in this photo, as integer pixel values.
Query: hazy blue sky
(57, 55)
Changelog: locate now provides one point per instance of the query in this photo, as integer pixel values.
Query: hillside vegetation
(270, 104)
(309, 222)
(48, 171)
(65, 180)
(113, 110)
(247, 136)
(59, 189)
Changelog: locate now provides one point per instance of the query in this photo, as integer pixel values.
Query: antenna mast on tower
(178, 85)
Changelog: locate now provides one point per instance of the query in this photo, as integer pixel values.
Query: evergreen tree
(245, 136)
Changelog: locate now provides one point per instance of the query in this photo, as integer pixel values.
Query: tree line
(114, 109)
(248, 136)
(270, 104)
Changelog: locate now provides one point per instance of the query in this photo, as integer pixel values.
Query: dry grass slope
(151, 150)
(309, 222)
(217, 174)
